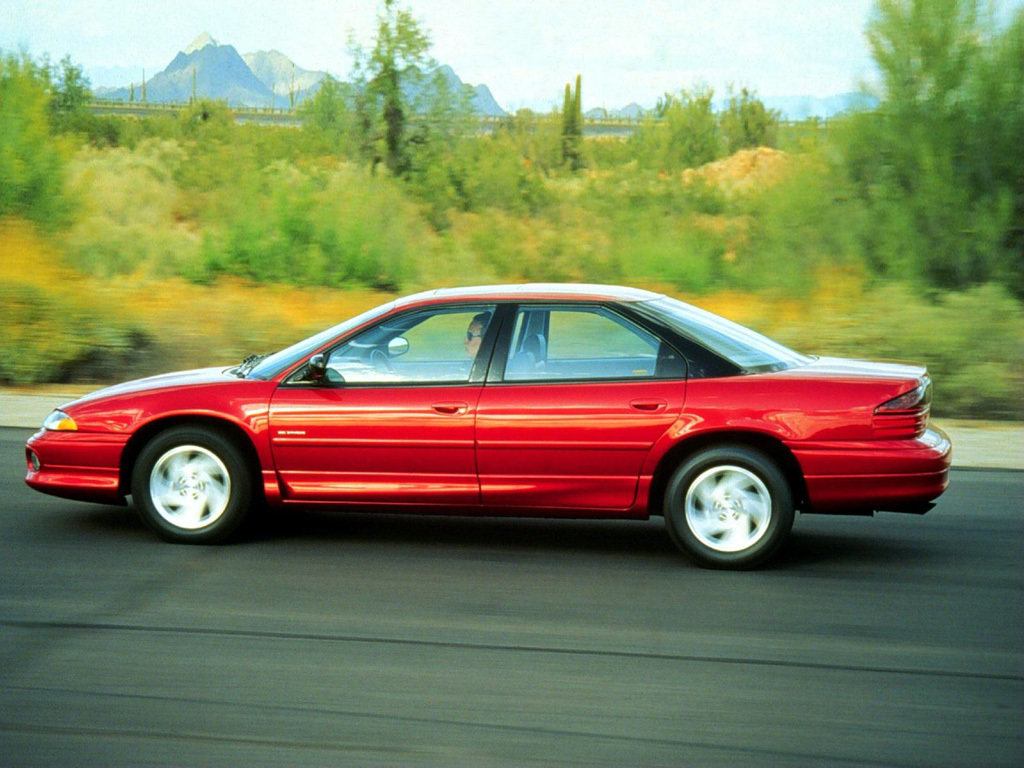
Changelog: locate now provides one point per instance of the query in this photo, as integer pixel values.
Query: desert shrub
(805, 221)
(129, 211)
(559, 246)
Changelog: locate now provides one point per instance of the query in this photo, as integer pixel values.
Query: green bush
(684, 134)
(747, 123)
(335, 228)
(31, 165)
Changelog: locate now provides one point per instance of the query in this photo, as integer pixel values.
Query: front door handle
(451, 409)
(648, 406)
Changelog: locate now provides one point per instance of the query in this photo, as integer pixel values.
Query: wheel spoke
(735, 537)
(757, 509)
(215, 500)
(705, 496)
(715, 528)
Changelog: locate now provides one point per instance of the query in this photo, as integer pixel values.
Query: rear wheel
(191, 484)
(728, 507)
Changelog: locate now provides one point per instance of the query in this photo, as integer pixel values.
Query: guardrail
(593, 126)
(107, 106)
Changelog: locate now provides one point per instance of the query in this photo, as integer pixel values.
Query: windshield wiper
(247, 365)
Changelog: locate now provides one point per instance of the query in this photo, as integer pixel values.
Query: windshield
(272, 365)
(746, 348)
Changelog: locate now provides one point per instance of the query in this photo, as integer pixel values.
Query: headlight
(60, 421)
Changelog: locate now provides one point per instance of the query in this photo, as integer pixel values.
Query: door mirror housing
(398, 346)
(318, 368)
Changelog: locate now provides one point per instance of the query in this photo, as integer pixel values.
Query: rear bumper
(84, 466)
(884, 475)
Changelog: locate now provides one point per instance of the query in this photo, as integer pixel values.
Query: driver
(475, 333)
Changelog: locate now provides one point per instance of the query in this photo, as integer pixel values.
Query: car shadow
(498, 538)
(513, 534)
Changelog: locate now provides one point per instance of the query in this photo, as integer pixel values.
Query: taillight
(906, 415)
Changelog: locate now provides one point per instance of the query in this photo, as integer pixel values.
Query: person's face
(472, 339)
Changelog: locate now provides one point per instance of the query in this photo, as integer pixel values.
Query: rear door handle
(648, 406)
(451, 409)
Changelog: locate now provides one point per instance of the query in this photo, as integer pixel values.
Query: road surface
(344, 639)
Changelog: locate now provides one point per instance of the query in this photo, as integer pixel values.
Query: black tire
(728, 507)
(191, 484)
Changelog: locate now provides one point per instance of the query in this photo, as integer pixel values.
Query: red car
(543, 400)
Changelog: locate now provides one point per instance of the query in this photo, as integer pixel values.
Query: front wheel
(191, 484)
(728, 507)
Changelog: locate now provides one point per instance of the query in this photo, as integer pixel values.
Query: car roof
(532, 292)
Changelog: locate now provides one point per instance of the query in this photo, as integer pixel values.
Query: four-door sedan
(543, 400)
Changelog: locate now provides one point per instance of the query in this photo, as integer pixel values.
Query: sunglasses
(470, 335)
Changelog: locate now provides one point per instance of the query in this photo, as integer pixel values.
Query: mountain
(201, 42)
(282, 76)
(261, 79)
(210, 70)
(632, 111)
(482, 101)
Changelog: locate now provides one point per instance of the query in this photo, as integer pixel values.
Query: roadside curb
(976, 444)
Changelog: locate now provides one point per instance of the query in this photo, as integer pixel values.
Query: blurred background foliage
(133, 245)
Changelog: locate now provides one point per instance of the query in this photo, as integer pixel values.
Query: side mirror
(398, 346)
(317, 368)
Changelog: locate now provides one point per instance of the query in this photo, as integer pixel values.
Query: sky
(525, 51)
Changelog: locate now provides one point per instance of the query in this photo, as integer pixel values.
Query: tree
(328, 116)
(746, 122)
(389, 78)
(938, 164)
(31, 168)
(682, 133)
(70, 94)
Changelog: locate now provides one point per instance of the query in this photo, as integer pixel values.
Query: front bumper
(883, 475)
(84, 466)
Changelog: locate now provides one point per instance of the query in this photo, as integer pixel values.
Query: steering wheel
(380, 361)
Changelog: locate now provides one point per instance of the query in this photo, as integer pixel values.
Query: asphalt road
(343, 639)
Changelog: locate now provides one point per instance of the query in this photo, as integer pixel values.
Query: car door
(572, 407)
(393, 420)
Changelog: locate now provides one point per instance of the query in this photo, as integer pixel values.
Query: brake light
(906, 415)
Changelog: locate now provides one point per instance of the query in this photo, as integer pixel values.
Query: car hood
(162, 381)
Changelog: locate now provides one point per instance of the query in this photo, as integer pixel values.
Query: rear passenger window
(588, 343)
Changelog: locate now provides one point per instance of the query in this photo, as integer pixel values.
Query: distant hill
(214, 71)
(482, 101)
(267, 78)
(281, 75)
(789, 107)
(261, 79)
(803, 107)
(631, 111)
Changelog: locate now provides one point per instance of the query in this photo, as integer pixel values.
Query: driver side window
(435, 347)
